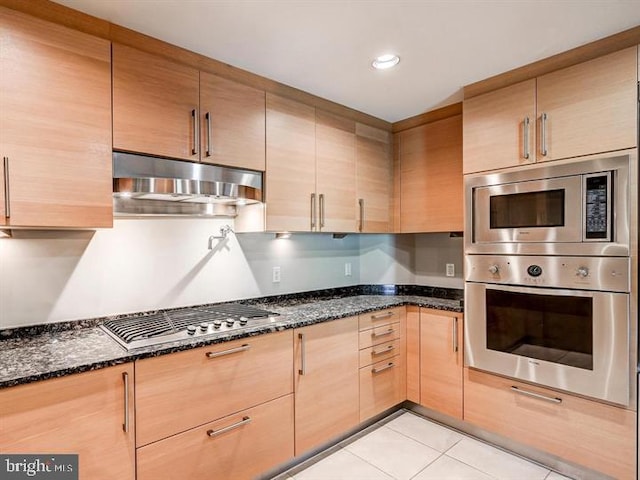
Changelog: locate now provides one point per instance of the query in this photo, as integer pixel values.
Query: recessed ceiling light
(385, 61)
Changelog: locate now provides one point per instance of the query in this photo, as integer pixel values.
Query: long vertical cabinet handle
(125, 379)
(455, 334)
(7, 211)
(321, 198)
(207, 118)
(303, 355)
(525, 138)
(196, 133)
(543, 135)
(313, 211)
(361, 205)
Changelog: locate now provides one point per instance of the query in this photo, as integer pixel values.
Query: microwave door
(534, 211)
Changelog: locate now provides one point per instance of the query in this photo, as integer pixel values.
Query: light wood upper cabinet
(155, 105)
(589, 108)
(241, 446)
(291, 165)
(374, 179)
(326, 382)
(232, 118)
(210, 382)
(430, 159)
(55, 119)
(441, 361)
(499, 128)
(580, 110)
(335, 173)
(82, 414)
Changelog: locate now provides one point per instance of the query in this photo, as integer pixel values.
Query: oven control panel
(583, 273)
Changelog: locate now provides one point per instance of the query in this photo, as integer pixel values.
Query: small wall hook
(224, 231)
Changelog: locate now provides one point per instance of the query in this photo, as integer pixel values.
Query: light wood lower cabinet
(180, 391)
(413, 354)
(441, 361)
(90, 414)
(326, 382)
(240, 446)
(383, 377)
(598, 436)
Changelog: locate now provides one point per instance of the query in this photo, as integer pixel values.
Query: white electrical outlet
(276, 275)
(451, 270)
(347, 269)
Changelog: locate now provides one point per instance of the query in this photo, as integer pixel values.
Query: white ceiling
(325, 47)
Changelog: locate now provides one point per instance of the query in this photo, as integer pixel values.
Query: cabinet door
(590, 107)
(431, 177)
(374, 177)
(83, 414)
(155, 105)
(336, 172)
(598, 436)
(210, 382)
(326, 385)
(55, 119)
(413, 354)
(232, 118)
(441, 362)
(382, 386)
(291, 166)
(499, 128)
(241, 446)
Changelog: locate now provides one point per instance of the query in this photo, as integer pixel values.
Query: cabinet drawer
(378, 353)
(379, 335)
(382, 385)
(240, 446)
(606, 434)
(381, 317)
(182, 390)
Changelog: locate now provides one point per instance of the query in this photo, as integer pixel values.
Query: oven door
(532, 211)
(577, 341)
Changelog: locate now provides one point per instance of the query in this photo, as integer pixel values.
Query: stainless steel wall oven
(551, 275)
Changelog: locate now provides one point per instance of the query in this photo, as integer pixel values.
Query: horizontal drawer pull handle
(382, 369)
(380, 316)
(387, 349)
(242, 348)
(385, 333)
(536, 395)
(244, 421)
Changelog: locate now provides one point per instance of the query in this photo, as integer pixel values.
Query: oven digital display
(597, 207)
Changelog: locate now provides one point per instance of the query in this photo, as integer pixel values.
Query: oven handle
(536, 395)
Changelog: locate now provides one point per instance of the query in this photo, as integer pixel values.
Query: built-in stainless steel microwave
(570, 208)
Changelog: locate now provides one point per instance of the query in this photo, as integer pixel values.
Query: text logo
(46, 466)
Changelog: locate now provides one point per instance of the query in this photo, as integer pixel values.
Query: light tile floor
(411, 447)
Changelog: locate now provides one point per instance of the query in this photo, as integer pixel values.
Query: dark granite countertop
(58, 351)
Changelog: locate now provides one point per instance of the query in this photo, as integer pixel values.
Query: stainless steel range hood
(144, 185)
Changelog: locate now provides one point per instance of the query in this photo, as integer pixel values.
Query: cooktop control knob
(494, 269)
(243, 320)
(230, 322)
(204, 327)
(191, 329)
(217, 323)
(582, 272)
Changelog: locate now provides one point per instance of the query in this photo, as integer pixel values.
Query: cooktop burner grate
(139, 331)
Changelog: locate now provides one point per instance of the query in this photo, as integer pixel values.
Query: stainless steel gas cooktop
(197, 322)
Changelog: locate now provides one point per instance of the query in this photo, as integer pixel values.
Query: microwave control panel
(597, 207)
